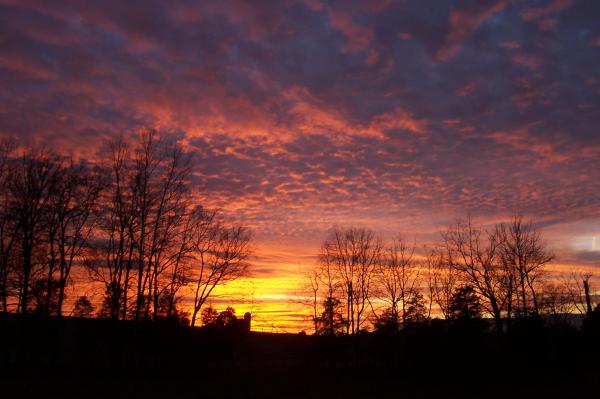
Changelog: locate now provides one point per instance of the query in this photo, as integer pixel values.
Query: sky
(399, 116)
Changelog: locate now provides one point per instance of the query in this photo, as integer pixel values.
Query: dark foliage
(465, 304)
(98, 358)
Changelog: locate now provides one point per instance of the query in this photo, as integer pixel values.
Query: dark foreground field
(80, 358)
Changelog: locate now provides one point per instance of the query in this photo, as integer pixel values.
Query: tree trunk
(24, 298)
(588, 301)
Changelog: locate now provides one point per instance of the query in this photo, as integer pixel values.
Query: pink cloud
(462, 24)
(544, 16)
(358, 37)
(533, 62)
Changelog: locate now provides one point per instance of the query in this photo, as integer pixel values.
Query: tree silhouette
(465, 304)
(331, 321)
(83, 307)
(351, 257)
(416, 312)
(524, 254)
(31, 183)
(398, 278)
(226, 318)
(220, 255)
(386, 322)
(8, 237)
(153, 238)
(442, 278)
(475, 254)
(209, 316)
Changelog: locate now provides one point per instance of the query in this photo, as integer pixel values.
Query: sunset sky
(398, 116)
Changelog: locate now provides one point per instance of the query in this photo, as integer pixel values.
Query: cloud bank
(304, 114)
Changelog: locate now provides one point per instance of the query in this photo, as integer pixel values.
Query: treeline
(362, 284)
(130, 217)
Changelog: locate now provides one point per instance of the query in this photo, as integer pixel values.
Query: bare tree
(7, 223)
(133, 221)
(475, 254)
(398, 279)
(443, 279)
(31, 184)
(74, 211)
(144, 222)
(221, 255)
(556, 301)
(112, 259)
(310, 290)
(353, 255)
(324, 278)
(524, 254)
(168, 218)
(181, 261)
(565, 294)
(46, 207)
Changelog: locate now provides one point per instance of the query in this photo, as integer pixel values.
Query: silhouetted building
(246, 322)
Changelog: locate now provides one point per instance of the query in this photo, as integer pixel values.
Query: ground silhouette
(78, 357)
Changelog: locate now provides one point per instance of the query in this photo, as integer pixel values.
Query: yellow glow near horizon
(276, 296)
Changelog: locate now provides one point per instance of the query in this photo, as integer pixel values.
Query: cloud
(545, 16)
(588, 257)
(463, 22)
(305, 114)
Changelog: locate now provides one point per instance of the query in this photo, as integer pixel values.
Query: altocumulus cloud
(307, 113)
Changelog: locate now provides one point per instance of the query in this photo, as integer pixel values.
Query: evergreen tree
(331, 321)
(465, 304)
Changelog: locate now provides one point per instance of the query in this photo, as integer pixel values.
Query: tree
(146, 221)
(310, 288)
(112, 261)
(325, 276)
(475, 254)
(180, 264)
(331, 322)
(111, 256)
(83, 307)
(226, 318)
(524, 254)
(43, 296)
(564, 295)
(155, 238)
(313, 279)
(586, 293)
(415, 309)
(398, 279)
(554, 300)
(465, 304)
(386, 322)
(8, 238)
(160, 186)
(107, 309)
(351, 257)
(71, 218)
(442, 278)
(220, 255)
(31, 183)
(133, 221)
(168, 309)
(209, 316)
